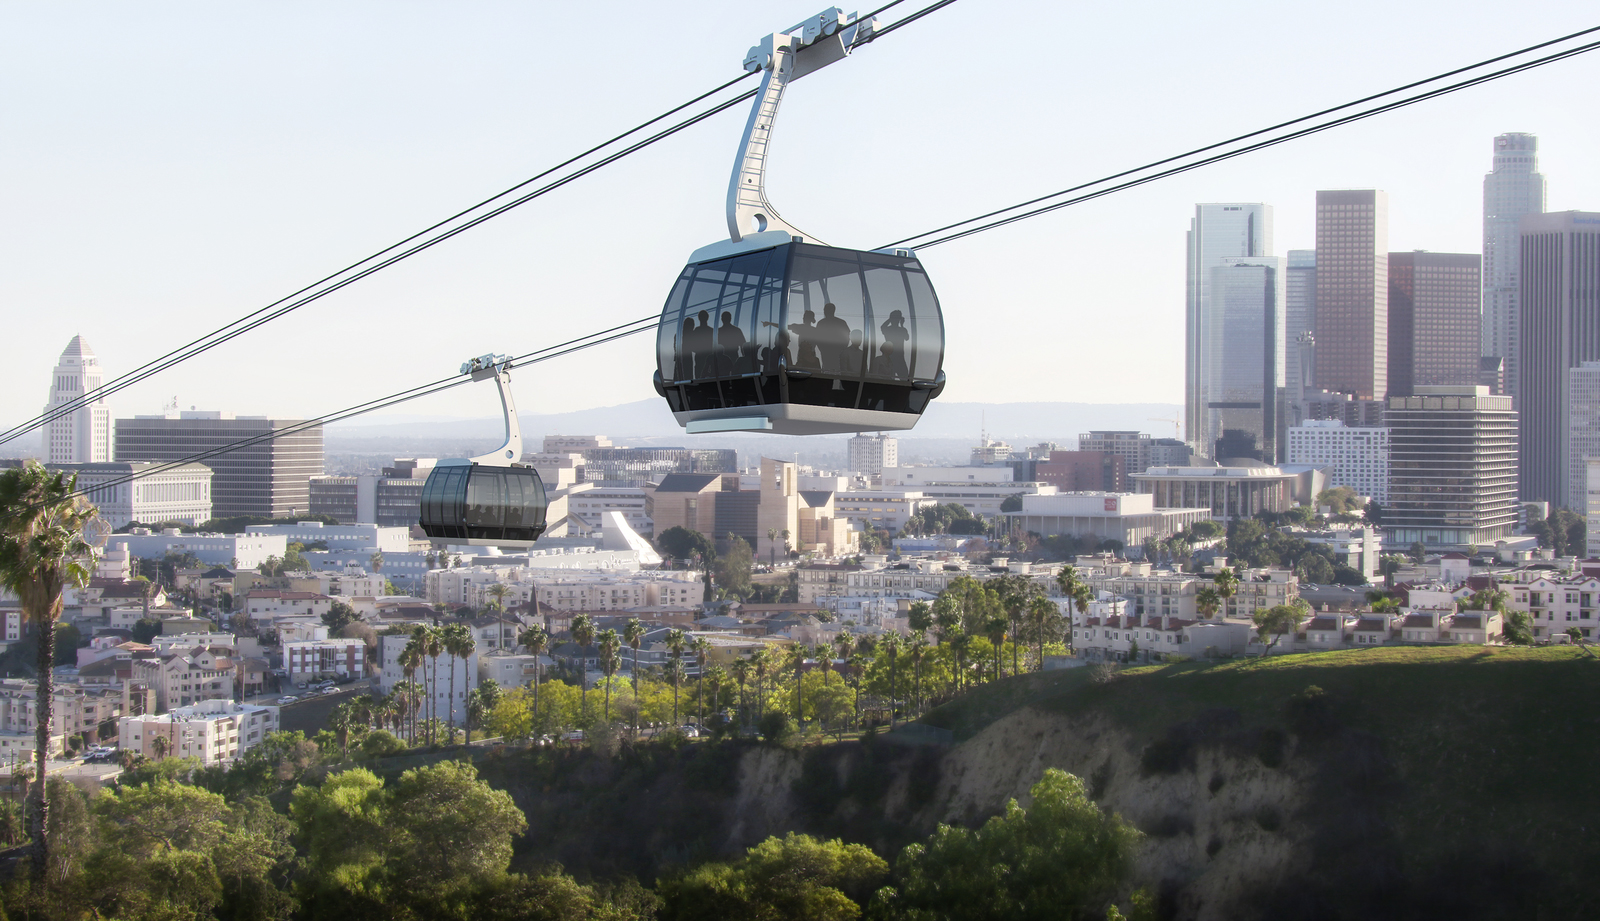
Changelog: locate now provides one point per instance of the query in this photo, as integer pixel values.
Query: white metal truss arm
(499, 368)
(785, 56)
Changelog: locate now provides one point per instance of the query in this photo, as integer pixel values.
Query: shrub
(775, 727)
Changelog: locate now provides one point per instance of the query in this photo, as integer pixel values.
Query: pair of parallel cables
(1280, 133)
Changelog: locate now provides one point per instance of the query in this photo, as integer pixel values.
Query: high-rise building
(1244, 321)
(1084, 471)
(869, 454)
(1559, 329)
(391, 500)
(82, 436)
(1434, 312)
(1352, 328)
(1452, 467)
(1357, 455)
(1217, 232)
(1583, 431)
(1300, 319)
(1513, 190)
(1133, 447)
(270, 477)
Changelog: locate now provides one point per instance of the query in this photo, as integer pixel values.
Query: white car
(287, 700)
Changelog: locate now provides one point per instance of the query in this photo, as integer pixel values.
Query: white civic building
(82, 436)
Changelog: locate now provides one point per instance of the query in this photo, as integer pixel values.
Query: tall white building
(869, 454)
(1359, 456)
(1515, 188)
(1300, 313)
(1217, 232)
(1592, 506)
(82, 436)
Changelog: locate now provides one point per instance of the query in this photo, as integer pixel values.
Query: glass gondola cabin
(795, 338)
(483, 505)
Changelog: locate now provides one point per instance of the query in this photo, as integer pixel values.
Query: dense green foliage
(1061, 858)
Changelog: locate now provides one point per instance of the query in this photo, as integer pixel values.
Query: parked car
(690, 730)
(575, 735)
(287, 700)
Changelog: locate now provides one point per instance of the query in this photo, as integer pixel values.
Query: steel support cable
(281, 306)
(1219, 144)
(622, 331)
(632, 328)
(287, 304)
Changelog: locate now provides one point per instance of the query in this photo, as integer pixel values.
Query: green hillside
(1449, 782)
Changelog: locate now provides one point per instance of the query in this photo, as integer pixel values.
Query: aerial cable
(621, 331)
(288, 304)
(1343, 120)
(343, 277)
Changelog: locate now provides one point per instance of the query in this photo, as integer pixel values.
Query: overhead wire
(912, 241)
(344, 277)
(631, 328)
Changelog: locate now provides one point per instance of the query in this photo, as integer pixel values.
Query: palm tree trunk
(452, 698)
(41, 741)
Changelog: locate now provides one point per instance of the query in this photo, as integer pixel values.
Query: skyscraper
(271, 477)
(1583, 431)
(1452, 467)
(1217, 232)
(1244, 323)
(1512, 190)
(1353, 292)
(1300, 314)
(1558, 329)
(82, 436)
(1433, 320)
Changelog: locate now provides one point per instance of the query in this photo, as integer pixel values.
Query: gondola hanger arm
(498, 367)
(783, 56)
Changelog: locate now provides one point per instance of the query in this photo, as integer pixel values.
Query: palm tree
(159, 746)
(890, 646)
(1227, 587)
(718, 676)
(797, 658)
(701, 647)
(536, 641)
(42, 552)
(460, 644)
(772, 547)
(741, 674)
(634, 633)
(995, 629)
(341, 721)
(1044, 620)
(761, 661)
(917, 652)
(676, 641)
(845, 643)
(610, 645)
(582, 631)
(432, 649)
(410, 661)
(1207, 602)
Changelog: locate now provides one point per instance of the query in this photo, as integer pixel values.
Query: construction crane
(1177, 425)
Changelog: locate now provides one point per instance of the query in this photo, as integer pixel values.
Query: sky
(170, 166)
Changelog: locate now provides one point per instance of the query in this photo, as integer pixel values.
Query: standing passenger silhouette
(832, 335)
(895, 337)
(805, 340)
(702, 346)
(730, 339)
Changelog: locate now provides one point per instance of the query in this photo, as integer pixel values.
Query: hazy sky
(170, 166)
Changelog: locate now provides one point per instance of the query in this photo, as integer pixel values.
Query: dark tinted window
(718, 319)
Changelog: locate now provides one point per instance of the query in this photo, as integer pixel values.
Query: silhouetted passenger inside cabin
(749, 359)
(682, 361)
(854, 356)
(883, 362)
(895, 337)
(730, 339)
(702, 345)
(805, 339)
(832, 335)
(773, 356)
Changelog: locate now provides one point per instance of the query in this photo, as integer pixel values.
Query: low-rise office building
(214, 731)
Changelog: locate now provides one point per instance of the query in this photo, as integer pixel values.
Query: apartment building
(213, 731)
(181, 679)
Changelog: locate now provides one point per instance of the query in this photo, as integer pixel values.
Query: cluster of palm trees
(422, 653)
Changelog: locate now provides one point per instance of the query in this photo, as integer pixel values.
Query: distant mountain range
(945, 433)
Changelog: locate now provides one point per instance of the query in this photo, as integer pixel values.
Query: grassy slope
(1488, 752)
